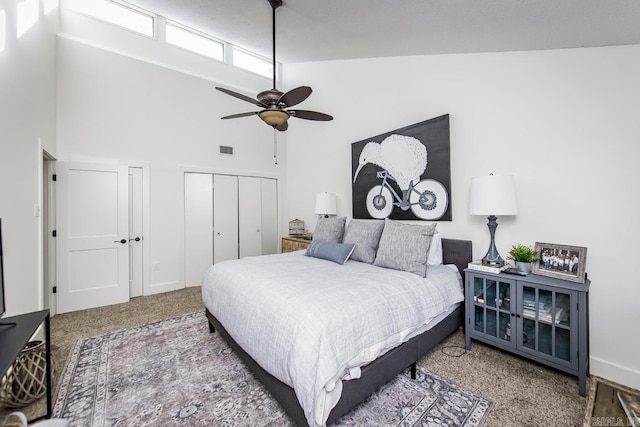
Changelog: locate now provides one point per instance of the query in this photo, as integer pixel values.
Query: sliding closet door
(225, 218)
(250, 216)
(198, 226)
(269, 199)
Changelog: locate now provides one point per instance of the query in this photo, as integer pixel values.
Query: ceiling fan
(275, 103)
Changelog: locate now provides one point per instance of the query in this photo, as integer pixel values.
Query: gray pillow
(329, 229)
(336, 252)
(405, 247)
(365, 235)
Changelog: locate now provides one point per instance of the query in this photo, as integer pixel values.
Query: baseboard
(159, 288)
(616, 373)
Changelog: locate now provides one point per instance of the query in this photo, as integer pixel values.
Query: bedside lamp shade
(326, 204)
(493, 195)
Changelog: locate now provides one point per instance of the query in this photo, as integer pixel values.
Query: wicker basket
(25, 381)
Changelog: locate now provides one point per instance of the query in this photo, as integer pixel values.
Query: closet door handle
(123, 241)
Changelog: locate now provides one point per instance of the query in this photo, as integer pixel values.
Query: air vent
(226, 150)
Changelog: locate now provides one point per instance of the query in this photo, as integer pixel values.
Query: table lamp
(326, 204)
(493, 195)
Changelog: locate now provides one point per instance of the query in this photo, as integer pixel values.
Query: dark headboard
(457, 252)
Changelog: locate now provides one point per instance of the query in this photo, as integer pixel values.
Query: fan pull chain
(275, 145)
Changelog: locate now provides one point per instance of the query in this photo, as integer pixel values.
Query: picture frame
(561, 261)
(408, 177)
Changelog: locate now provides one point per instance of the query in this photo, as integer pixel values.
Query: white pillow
(435, 250)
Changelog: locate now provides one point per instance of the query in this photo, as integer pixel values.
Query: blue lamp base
(492, 257)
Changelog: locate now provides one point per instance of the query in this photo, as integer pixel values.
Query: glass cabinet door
(491, 305)
(546, 322)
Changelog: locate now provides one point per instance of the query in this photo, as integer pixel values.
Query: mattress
(312, 323)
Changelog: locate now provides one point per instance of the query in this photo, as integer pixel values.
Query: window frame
(123, 5)
(20, 30)
(254, 55)
(223, 45)
(3, 29)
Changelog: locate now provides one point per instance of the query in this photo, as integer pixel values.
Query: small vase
(524, 267)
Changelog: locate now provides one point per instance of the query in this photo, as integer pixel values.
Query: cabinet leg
(582, 384)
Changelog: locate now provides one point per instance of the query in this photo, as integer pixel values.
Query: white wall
(114, 107)
(79, 27)
(27, 125)
(564, 122)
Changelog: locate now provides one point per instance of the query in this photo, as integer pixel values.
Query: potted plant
(524, 256)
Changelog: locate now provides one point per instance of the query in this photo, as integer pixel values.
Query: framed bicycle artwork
(404, 174)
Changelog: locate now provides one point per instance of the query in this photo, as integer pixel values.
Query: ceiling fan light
(274, 118)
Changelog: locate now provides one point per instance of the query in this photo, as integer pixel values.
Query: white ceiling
(318, 30)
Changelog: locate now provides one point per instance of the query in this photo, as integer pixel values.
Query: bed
(268, 347)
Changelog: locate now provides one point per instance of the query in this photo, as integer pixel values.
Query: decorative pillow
(405, 247)
(366, 236)
(336, 252)
(330, 229)
(435, 250)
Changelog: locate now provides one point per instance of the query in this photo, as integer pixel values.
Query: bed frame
(375, 374)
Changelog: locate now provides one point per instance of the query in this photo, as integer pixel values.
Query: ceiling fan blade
(241, 96)
(283, 127)
(235, 116)
(295, 96)
(310, 115)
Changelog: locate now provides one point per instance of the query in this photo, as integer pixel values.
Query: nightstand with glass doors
(537, 317)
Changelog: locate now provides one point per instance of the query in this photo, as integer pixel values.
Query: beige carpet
(190, 377)
(525, 393)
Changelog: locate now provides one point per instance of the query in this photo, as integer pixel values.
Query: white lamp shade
(326, 204)
(493, 195)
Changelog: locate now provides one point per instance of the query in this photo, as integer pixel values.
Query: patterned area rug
(174, 372)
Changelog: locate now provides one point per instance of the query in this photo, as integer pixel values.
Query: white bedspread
(307, 321)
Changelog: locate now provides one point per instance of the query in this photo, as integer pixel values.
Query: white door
(136, 239)
(250, 216)
(225, 218)
(92, 234)
(198, 226)
(269, 216)
(48, 225)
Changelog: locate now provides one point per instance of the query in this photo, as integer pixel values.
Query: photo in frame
(561, 261)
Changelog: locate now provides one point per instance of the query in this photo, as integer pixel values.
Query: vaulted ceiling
(319, 30)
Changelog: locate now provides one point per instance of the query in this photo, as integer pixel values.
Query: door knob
(123, 241)
(137, 239)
